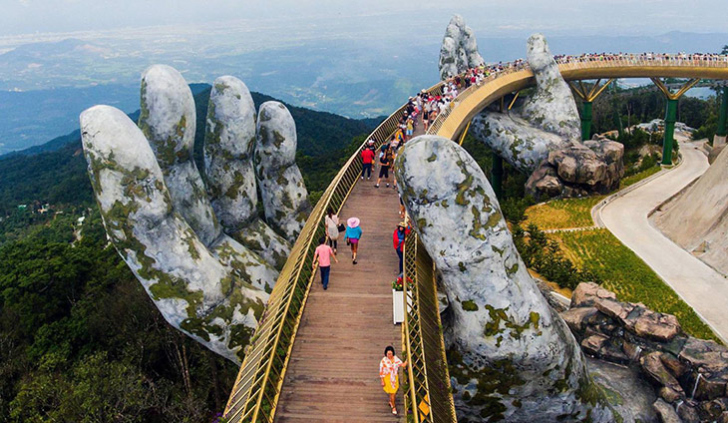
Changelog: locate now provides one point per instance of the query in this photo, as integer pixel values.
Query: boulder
(582, 170)
(707, 356)
(688, 413)
(704, 388)
(614, 309)
(675, 366)
(593, 344)
(711, 410)
(631, 350)
(670, 395)
(658, 373)
(657, 326)
(586, 293)
(665, 412)
(578, 318)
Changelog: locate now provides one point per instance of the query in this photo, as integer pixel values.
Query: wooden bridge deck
(333, 371)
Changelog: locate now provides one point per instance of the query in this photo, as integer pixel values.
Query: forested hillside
(80, 341)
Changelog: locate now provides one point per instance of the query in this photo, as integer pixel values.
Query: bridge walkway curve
(333, 371)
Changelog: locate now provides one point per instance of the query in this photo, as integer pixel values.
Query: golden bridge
(315, 354)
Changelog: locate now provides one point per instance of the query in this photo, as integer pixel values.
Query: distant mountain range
(55, 171)
(352, 77)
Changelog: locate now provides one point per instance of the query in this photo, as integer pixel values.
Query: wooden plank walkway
(333, 371)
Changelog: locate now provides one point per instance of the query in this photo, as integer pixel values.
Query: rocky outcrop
(689, 375)
(578, 170)
(541, 137)
(697, 218)
(459, 51)
(159, 218)
(511, 356)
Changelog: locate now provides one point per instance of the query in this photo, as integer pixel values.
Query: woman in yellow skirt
(388, 373)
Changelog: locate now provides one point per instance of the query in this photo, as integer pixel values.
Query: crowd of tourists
(641, 57)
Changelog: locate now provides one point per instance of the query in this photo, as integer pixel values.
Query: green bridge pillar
(720, 134)
(671, 115)
(586, 120)
(670, 118)
(496, 177)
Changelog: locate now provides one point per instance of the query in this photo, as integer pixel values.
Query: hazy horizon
(487, 18)
(354, 59)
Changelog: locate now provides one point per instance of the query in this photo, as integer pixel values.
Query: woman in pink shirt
(323, 256)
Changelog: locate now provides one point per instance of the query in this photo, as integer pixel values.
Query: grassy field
(627, 275)
(562, 214)
(601, 253)
(630, 180)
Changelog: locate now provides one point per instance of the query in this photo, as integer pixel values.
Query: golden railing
(428, 395)
(580, 68)
(258, 386)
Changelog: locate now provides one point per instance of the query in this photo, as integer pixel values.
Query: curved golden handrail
(258, 385)
(514, 78)
(428, 397)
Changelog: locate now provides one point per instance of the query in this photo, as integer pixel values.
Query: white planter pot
(398, 306)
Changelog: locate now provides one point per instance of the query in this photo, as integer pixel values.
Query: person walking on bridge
(333, 227)
(367, 159)
(398, 238)
(385, 161)
(389, 375)
(323, 256)
(352, 236)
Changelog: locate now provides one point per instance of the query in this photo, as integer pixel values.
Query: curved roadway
(705, 290)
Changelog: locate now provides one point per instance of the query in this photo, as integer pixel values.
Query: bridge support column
(721, 133)
(496, 176)
(587, 98)
(671, 116)
(586, 120)
(668, 139)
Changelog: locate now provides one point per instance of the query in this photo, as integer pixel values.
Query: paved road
(626, 217)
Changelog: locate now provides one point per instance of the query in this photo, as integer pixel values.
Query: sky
(486, 17)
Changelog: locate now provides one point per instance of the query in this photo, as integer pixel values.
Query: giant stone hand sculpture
(208, 262)
(459, 50)
(541, 138)
(511, 356)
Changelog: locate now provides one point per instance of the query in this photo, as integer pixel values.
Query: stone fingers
(552, 107)
(285, 198)
(229, 145)
(168, 121)
(191, 287)
(503, 333)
